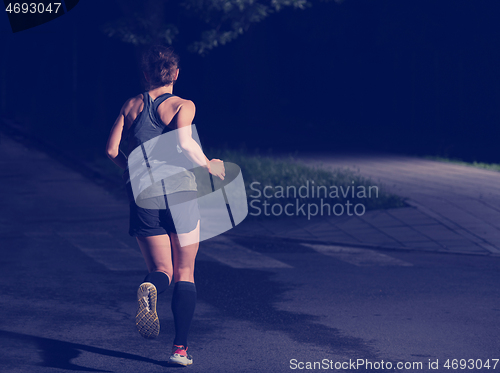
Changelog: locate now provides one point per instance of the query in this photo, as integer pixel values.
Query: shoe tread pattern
(146, 319)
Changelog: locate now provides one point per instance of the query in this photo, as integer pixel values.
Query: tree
(202, 24)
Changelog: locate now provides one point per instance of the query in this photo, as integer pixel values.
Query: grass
(260, 171)
(485, 166)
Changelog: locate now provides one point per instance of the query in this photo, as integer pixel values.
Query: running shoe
(146, 319)
(180, 356)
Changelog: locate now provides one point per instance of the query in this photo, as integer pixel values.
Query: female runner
(143, 118)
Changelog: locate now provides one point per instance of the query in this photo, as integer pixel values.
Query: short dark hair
(160, 64)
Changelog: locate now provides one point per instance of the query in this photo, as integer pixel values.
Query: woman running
(141, 119)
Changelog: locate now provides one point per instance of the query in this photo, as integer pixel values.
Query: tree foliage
(203, 24)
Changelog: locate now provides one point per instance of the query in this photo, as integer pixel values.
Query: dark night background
(418, 78)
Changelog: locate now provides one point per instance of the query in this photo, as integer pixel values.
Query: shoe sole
(146, 319)
(178, 362)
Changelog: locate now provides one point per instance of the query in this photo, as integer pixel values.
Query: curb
(351, 245)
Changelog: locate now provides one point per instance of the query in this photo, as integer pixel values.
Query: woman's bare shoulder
(174, 104)
(175, 107)
(182, 101)
(132, 103)
(132, 107)
(187, 106)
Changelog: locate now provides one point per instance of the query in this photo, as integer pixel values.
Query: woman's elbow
(111, 153)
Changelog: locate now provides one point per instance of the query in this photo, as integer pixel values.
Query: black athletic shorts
(158, 220)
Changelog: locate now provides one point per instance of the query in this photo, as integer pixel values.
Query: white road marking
(358, 257)
(227, 252)
(107, 250)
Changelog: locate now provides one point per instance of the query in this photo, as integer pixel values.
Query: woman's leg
(157, 254)
(184, 257)
(184, 297)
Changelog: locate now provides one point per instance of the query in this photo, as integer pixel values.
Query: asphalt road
(64, 309)
(69, 273)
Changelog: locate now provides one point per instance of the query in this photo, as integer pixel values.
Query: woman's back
(157, 165)
(149, 115)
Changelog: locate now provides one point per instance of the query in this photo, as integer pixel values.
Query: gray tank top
(146, 126)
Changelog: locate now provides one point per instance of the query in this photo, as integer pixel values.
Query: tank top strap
(158, 101)
(154, 107)
(147, 100)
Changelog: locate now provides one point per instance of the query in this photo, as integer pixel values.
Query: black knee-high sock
(159, 279)
(183, 304)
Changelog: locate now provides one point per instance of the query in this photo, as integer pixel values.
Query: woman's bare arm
(113, 150)
(184, 118)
